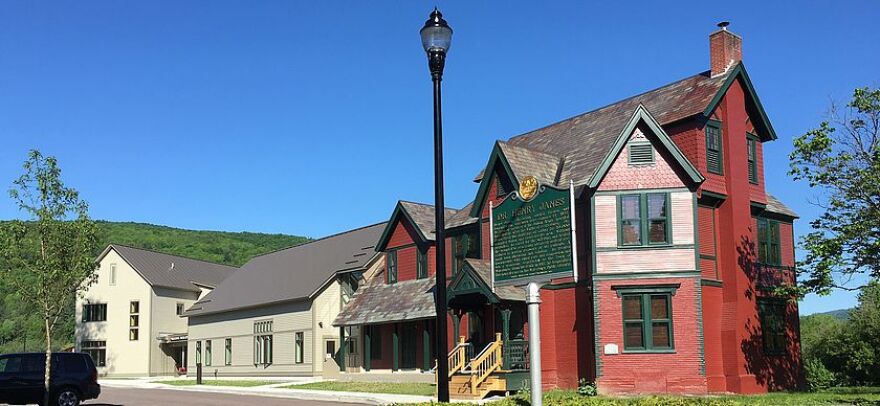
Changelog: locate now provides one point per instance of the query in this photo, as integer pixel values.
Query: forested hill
(214, 246)
(21, 328)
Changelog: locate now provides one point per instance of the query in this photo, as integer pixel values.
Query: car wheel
(67, 397)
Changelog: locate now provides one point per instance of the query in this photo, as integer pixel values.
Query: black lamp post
(436, 37)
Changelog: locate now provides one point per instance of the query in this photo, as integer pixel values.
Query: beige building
(273, 317)
(129, 319)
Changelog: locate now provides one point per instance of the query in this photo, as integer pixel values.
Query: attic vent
(640, 154)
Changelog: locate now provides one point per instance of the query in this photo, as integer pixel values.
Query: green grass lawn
(208, 382)
(838, 396)
(422, 389)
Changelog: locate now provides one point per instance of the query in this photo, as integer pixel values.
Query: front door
(408, 346)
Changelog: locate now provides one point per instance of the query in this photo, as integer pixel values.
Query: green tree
(51, 261)
(841, 161)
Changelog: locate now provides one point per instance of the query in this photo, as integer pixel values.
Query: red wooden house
(679, 247)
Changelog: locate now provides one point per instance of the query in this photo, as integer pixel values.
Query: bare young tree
(48, 258)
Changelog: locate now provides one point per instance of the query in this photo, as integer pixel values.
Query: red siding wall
(678, 372)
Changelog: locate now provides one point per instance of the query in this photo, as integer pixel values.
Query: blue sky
(313, 117)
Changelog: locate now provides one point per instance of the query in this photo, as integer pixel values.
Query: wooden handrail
(457, 357)
(486, 363)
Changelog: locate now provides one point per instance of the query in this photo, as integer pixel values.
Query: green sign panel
(531, 240)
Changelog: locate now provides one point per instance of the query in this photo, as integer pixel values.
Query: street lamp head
(436, 34)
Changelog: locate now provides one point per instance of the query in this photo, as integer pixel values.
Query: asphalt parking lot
(144, 397)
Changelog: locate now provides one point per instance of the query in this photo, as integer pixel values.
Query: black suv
(74, 378)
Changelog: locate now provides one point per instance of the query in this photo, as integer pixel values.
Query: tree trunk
(48, 362)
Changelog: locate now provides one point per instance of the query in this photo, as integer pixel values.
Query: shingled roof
(776, 206)
(171, 271)
(423, 217)
(379, 302)
(580, 143)
(293, 273)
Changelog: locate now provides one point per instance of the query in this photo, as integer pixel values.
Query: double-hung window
(714, 153)
(198, 352)
(752, 145)
(644, 219)
(647, 321)
(421, 263)
(768, 242)
(772, 312)
(208, 355)
(391, 271)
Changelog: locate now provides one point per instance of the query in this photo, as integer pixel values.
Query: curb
(300, 394)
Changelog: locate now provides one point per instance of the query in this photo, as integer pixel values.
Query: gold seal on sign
(528, 188)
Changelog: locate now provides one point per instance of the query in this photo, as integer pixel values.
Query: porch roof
(484, 270)
(380, 303)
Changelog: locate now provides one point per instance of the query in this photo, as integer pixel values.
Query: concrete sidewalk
(275, 390)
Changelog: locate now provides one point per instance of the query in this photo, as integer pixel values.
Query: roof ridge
(703, 73)
(314, 240)
(113, 244)
(426, 204)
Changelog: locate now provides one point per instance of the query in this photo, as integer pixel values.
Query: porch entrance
(409, 345)
(491, 352)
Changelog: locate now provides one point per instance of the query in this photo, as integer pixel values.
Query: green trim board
(399, 211)
(641, 115)
(645, 190)
(467, 282)
(497, 156)
(646, 247)
(645, 275)
(739, 73)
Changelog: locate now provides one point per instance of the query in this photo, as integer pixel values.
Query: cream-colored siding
(164, 320)
(157, 315)
(287, 319)
(124, 357)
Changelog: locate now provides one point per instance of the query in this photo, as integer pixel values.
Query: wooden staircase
(475, 379)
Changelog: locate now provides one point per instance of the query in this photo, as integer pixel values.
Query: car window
(10, 364)
(33, 363)
(71, 363)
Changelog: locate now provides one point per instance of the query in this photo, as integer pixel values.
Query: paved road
(151, 397)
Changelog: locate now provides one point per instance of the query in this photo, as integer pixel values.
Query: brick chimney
(725, 49)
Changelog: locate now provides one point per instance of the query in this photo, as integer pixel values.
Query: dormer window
(391, 268)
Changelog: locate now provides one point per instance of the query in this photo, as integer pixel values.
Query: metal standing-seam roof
(171, 271)
(292, 273)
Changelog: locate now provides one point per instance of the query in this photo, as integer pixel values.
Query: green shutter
(753, 159)
(714, 152)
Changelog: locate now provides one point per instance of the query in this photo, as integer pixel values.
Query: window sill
(648, 351)
(647, 247)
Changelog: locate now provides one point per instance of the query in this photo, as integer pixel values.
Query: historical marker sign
(532, 238)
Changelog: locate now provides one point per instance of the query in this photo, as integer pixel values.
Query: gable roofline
(336, 274)
(196, 285)
(739, 73)
(399, 211)
(642, 115)
(496, 156)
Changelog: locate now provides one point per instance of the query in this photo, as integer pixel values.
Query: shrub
(818, 376)
(586, 388)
